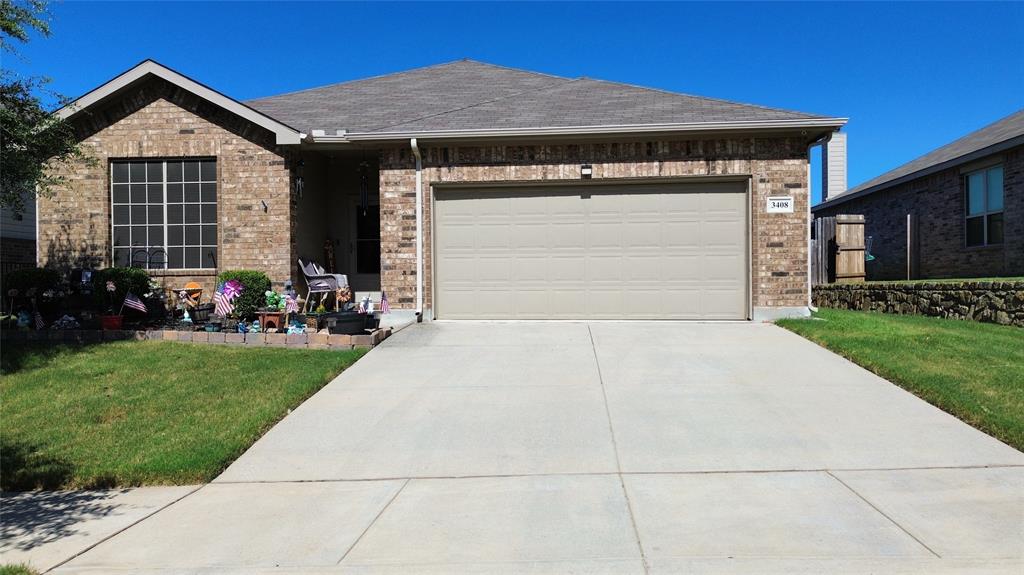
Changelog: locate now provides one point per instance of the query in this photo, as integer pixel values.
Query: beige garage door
(670, 251)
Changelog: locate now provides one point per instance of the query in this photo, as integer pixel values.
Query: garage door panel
(622, 252)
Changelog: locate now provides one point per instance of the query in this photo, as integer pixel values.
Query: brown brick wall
(937, 201)
(777, 166)
(157, 120)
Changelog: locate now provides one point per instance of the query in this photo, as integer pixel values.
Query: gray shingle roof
(965, 149)
(469, 95)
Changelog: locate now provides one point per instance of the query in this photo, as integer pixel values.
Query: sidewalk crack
(373, 522)
(883, 514)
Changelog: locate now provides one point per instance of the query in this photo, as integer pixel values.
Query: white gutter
(582, 130)
(810, 221)
(419, 228)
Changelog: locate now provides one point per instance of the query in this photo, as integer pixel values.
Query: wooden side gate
(837, 249)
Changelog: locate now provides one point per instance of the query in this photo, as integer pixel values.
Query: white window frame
(984, 214)
(167, 254)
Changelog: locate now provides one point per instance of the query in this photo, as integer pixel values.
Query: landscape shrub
(41, 279)
(254, 287)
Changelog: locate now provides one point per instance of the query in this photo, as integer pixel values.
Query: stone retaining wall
(297, 340)
(993, 302)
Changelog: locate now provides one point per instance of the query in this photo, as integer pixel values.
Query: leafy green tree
(32, 139)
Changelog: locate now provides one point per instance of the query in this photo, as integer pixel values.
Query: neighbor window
(985, 206)
(164, 213)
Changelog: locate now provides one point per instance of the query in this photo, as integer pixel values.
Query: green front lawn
(973, 370)
(143, 413)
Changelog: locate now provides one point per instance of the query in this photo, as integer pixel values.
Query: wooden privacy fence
(837, 249)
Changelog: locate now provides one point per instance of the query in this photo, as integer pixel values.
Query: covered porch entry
(337, 216)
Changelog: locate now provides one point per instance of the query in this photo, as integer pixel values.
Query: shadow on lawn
(23, 356)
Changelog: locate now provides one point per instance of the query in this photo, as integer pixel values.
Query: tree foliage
(33, 141)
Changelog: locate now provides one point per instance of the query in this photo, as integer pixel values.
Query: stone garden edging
(292, 340)
(999, 302)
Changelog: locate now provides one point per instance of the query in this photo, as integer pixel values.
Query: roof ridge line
(466, 107)
(866, 184)
(712, 98)
(514, 69)
(355, 80)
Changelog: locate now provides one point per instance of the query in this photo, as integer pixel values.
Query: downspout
(419, 229)
(820, 141)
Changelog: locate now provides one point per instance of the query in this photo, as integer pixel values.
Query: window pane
(119, 173)
(209, 257)
(173, 171)
(155, 193)
(174, 213)
(138, 193)
(209, 235)
(121, 235)
(995, 189)
(209, 193)
(122, 215)
(976, 193)
(174, 193)
(122, 257)
(156, 214)
(976, 231)
(156, 235)
(995, 228)
(137, 171)
(138, 236)
(193, 258)
(209, 171)
(191, 171)
(192, 235)
(191, 192)
(157, 258)
(175, 235)
(120, 193)
(191, 213)
(138, 214)
(209, 213)
(155, 171)
(175, 258)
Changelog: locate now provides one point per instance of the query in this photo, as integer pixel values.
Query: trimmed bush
(254, 287)
(26, 278)
(135, 280)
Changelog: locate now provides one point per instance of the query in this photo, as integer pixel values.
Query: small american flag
(384, 307)
(361, 308)
(40, 324)
(131, 300)
(223, 304)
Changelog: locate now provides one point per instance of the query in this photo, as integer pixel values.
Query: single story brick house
(463, 191)
(957, 211)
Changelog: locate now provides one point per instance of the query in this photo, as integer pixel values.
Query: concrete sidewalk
(599, 448)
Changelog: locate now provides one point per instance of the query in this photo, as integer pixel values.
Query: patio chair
(320, 282)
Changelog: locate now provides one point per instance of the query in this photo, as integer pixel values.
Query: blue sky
(909, 76)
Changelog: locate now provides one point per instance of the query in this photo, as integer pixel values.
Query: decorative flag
(384, 307)
(363, 305)
(40, 324)
(222, 302)
(131, 300)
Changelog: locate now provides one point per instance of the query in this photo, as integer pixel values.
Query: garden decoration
(24, 319)
(110, 321)
(255, 327)
(66, 322)
(342, 295)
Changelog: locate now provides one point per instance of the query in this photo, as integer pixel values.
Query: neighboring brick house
(957, 211)
(462, 190)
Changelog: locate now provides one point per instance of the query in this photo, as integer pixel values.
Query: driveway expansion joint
(373, 521)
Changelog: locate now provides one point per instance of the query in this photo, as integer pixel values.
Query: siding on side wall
(157, 120)
(777, 166)
(937, 201)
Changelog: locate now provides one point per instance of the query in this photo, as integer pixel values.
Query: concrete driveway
(599, 448)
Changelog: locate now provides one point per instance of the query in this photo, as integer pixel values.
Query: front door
(365, 248)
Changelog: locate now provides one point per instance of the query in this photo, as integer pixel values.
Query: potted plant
(111, 320)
